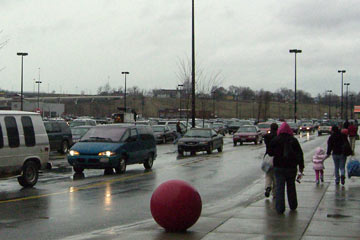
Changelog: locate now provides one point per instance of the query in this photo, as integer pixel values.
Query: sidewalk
(325, 211)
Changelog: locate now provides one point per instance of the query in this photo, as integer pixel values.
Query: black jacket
(267, 139)
(293, 158)
(335, 143)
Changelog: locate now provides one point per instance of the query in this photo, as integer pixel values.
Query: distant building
(166, 93)
(46, 109)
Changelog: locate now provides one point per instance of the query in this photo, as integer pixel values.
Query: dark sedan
(163, 133)
(200, 139)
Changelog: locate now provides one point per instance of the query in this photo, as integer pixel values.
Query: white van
(24, 146)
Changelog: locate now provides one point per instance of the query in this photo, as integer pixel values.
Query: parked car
(264, 127)
(172, 125)
(60, 137)
(83, 122)
(163, 133)
(200, 139)
(234, 126)
(248, 133)
(219, 128)
(24, 146)
(294, 127)
(78, 132)
(324, 127)
(114, 146)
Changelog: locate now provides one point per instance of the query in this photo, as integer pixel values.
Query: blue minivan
(113, 147)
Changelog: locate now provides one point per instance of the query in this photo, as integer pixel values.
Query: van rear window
(12, 132)
(29, 132)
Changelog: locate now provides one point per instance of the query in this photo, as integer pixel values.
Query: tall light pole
(213, 93)
(179, 86)
(351, 106)
(342, 92)
(329, 91)
(347, 95)
(125, 73)
(295, 51)
(22, 54)
(193, 65)
(38, 101)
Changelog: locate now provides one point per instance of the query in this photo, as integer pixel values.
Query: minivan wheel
(78, 169)
(64, 147)
(149, 162)
(30, 174)
(122, 166)
(210, 149)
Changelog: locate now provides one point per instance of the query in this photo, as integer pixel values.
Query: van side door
(133, 146)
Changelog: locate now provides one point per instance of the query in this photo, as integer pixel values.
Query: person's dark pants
(282, 176)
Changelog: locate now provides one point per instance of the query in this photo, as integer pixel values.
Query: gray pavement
(325, 211)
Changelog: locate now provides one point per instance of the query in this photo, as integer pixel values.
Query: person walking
(336, 146)
(352, 132)
(270, 184)
(288, 156)
(318, 164)
(178, 132)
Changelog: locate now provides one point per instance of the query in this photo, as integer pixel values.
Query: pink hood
(318, 159)
(285, 128)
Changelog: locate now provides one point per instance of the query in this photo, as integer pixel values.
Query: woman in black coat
(288, 156)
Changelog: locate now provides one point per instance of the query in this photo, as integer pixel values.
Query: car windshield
(79, 131)
(247, 129)
(198, 133)
(264, 125)
(104, 134)
(158, 128)
(77, 123)
(306, 124)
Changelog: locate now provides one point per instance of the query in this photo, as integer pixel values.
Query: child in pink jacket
(318, 161)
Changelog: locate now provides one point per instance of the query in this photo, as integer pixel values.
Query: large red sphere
(176, 205)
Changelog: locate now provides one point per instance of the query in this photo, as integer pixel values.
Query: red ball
(175, 205)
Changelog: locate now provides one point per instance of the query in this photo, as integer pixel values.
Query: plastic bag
(267, 163)
(353, 168)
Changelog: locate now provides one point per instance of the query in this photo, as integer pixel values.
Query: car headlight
(73, 153)
(107, 153)
(307, 128)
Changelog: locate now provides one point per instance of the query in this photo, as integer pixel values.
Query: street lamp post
(193, 64)
(329, 91)
(213, 93)
(295, 51)
(347, 97)
(38, 100)
(351, 106)
(125, 73)
(179, 86)
(342, 92)
(22, 54)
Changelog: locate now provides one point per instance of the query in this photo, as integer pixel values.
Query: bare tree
(3, 44)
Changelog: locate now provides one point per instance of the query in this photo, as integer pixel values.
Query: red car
(264, 127)
(248, 133)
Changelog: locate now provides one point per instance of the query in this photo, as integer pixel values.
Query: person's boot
(342, 180)
(267, 191)
(322, 179)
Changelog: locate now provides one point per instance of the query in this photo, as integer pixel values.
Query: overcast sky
(83, 44)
